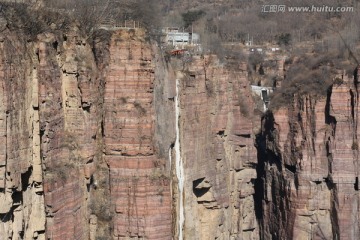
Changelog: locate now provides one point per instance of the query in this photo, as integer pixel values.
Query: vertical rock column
(22, 214)
(308, 167)
(217, 147)
(139, 184)
(68, 127)
(344, 150)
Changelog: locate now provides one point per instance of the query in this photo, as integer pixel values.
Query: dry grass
(309, 75)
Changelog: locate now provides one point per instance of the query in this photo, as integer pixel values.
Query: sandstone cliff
(88, 141)
(136, 111)
(49, 134)
(84, 146)
(108, 140)
(218, 151)
(307, 186)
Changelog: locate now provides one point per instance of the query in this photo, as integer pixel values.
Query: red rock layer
(308, 167)
(68, 126)
(21, 192)
(217, 148)
(82, 156)
(139, 185)
(46, 135)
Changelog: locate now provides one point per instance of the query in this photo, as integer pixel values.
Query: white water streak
(179, 164)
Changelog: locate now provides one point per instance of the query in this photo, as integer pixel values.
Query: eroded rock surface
(217, 146)
(22, 212)
(139, 183)
(82, 154)
(88, 135)
(308, 167)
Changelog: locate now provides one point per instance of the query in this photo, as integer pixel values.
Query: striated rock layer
(48, 134)
(68, 126)
(88, 135)
(218, 153)
(139, 184)
(308, 167)
(89, 147)
(84, 146)
(22, 213)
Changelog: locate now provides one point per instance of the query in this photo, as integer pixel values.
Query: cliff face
(81, 152)
(308, 167)
(21, 181)
(110, 141)
(88, 139)
(139, 183)
(49, 130)
(218, 154)
(66, 90)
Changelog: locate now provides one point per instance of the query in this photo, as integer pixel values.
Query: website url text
(309, 9)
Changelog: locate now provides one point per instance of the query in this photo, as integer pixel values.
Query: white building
(263, 93)
(176, 37)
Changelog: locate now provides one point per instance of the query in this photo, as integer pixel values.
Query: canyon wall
(22, 207)
(217, 148)
(307, 184)
(49, 135)
(135, 110)
(86, 132)
(112, 140)
(89, 134)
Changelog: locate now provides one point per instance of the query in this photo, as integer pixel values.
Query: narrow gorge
(114, 139)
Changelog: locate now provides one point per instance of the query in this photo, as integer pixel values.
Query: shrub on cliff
(27, 21)
(192, 16)
(91, 14)
(308, 75)
(32, 21)
(284, 39)
(255, 60)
